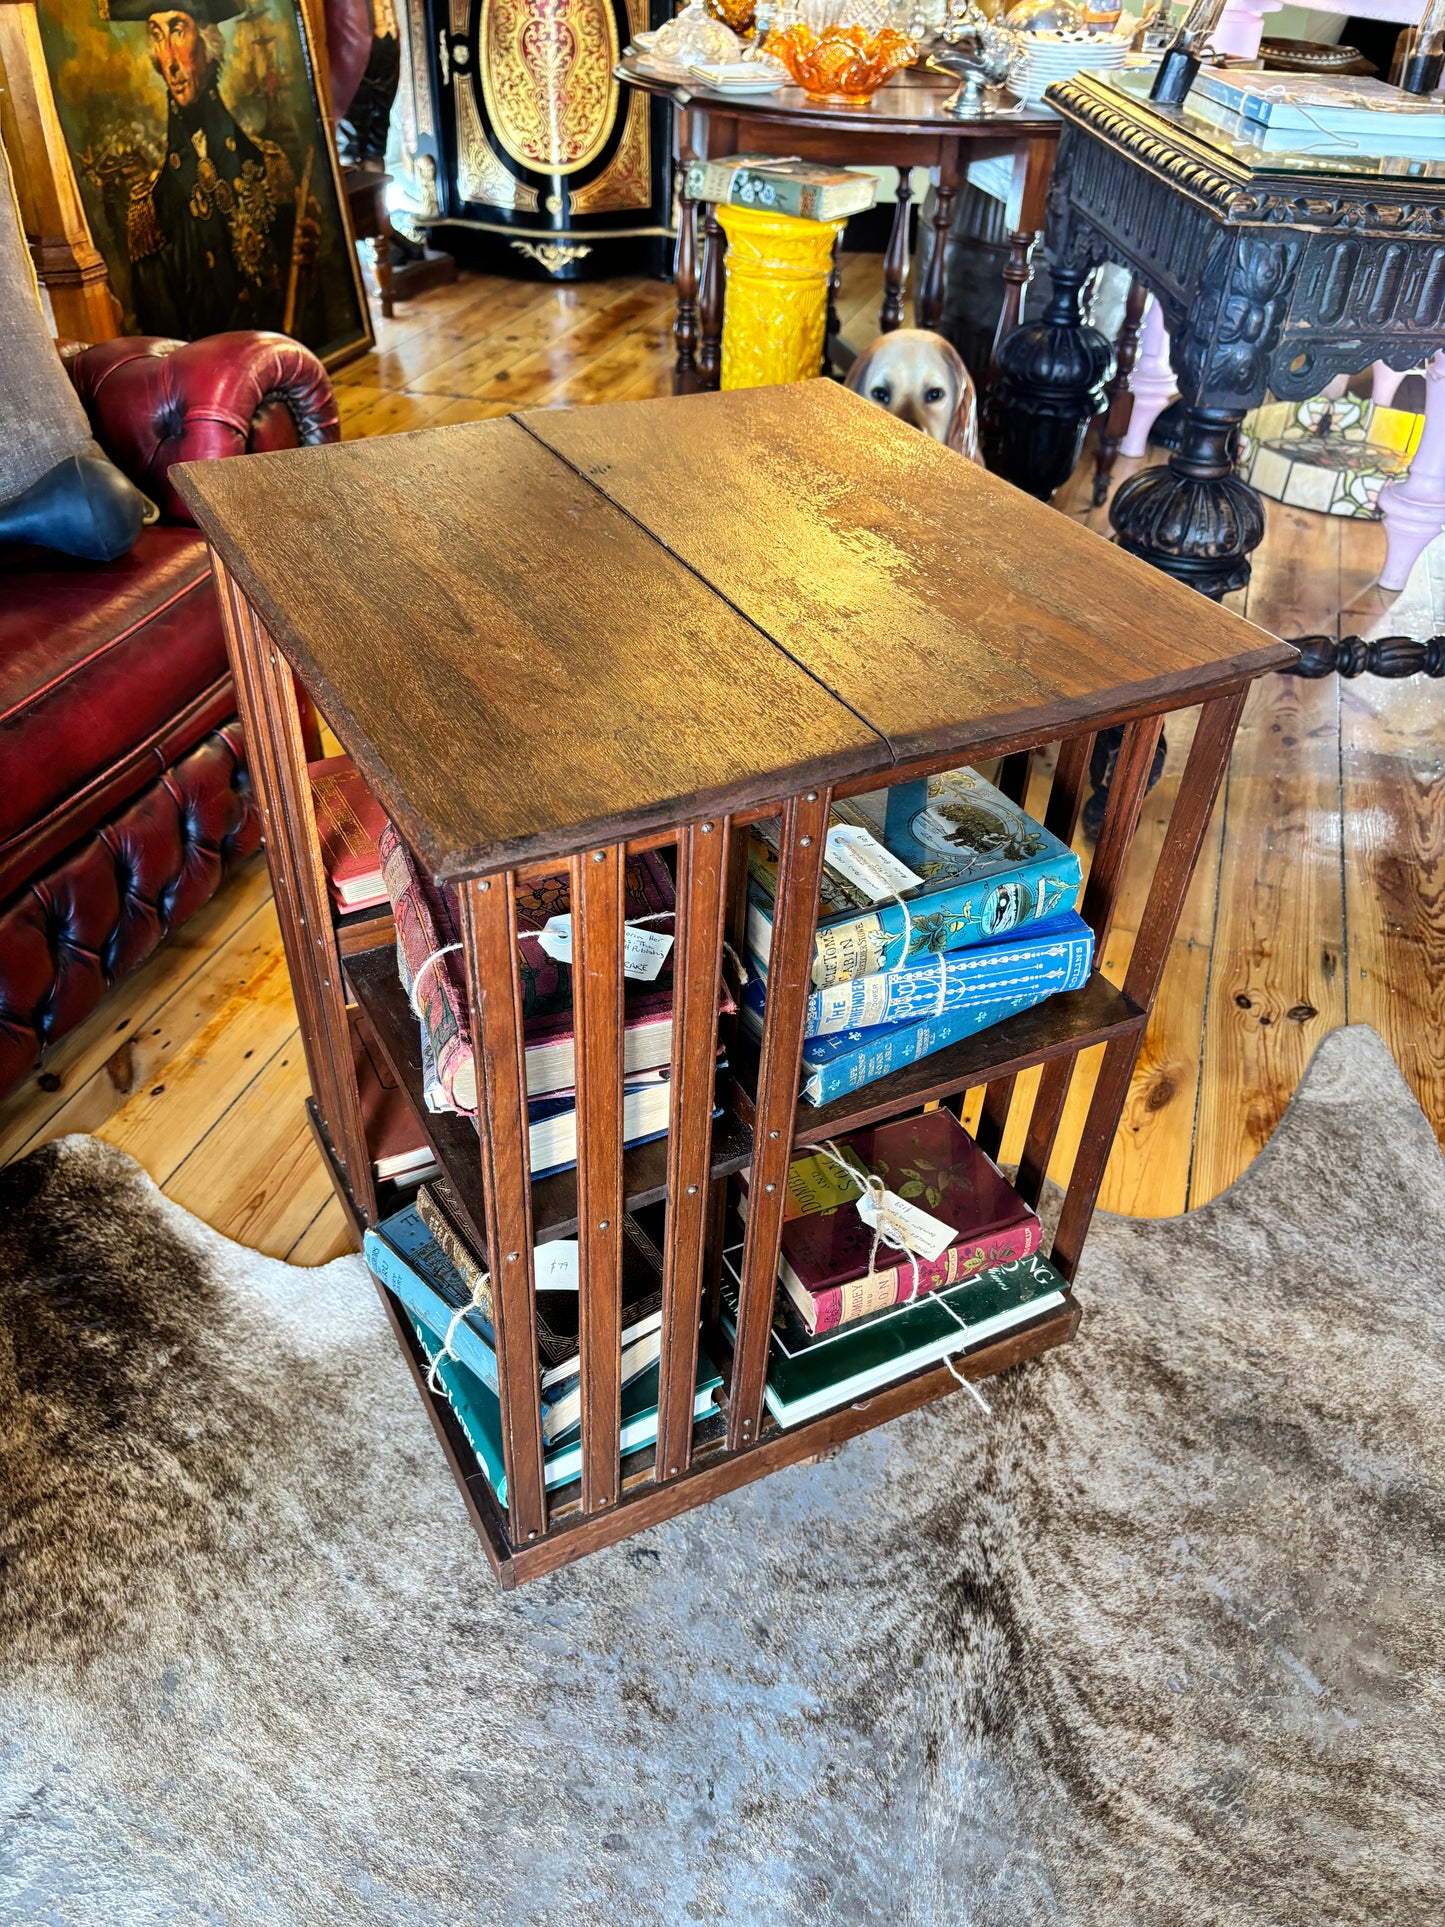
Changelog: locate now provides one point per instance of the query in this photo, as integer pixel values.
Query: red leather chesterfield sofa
(123, 789)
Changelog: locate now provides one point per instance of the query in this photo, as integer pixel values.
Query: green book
(807, 1376)
(479, 1413)
(801, 189)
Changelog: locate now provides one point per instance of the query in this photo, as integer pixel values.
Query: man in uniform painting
(213, 234)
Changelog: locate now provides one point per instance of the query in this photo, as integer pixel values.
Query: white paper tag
(556, 1265)
(858, 855)
(928, 1237)
(644, 950)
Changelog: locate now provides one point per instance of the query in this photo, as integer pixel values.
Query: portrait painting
(206, 168)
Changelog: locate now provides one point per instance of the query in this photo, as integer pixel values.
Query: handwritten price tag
(860, 857)
(644, 951)
(556, 1265)
(928, 1237)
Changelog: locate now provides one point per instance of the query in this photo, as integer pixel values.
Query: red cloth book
(349, 823)
(932, 1162)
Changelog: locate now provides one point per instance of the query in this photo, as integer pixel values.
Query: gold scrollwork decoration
(547, 80)
(626, 181)
(552, 254)
(481, 177)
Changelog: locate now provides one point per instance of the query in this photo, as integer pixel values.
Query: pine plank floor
(1319, 898)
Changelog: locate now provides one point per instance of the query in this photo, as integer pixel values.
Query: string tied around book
(889, 1232)
(442, 950)
(474, 1303)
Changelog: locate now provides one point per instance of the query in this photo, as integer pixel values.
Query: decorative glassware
(739, 15)
(693, 35)
(979, 62)
(1045, 16)
(1424, 52)
(842, 65)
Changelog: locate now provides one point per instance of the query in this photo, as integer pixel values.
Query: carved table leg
(895, 261)
(1050, 385)
(1152, 384)
(381, 268)
(929, 304)
(1024, 218)
(1121, 401)
(684, 327)
(833, 326)
(710, 303)
(1195, 518)
(1388, 656)
(1413, 509)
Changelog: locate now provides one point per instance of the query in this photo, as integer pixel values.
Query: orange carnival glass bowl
(843, 64)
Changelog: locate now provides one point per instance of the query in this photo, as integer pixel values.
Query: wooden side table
(903, 126)
(1272, 271)
(747, 604)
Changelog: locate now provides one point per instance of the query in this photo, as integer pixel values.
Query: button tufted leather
(123, 792)
(106, 905)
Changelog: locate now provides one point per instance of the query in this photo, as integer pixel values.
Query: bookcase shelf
(710, 633)
(1062, 1026)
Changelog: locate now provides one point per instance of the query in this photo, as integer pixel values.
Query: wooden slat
(790, 964)
(508, 699)
(1066, 796)
(488, 927)
(597, 920)
(266, 697)
(1101, 897)
(1204, 772)
(702, 880)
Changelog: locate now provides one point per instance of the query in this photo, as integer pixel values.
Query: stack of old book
(855, 1311)
(424, 1257)
(430, 965)
(945, 908)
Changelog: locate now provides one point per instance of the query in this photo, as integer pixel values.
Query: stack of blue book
(945, 908)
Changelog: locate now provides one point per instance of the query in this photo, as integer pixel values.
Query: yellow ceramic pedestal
(777, 296)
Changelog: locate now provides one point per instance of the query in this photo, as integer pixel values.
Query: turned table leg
(895, 261)
(1024, 219)
(1195, 517)
(930, 296)
(710, 301)
(684, 326)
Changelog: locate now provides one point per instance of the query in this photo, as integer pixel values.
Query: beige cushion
(41, 419)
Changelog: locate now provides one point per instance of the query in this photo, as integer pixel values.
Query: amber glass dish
(844, 65)
(737, 14)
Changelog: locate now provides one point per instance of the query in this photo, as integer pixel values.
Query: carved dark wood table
(1273, 272)
(903, 126)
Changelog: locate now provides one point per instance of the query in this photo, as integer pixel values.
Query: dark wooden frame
(902, 127)
(343, 968)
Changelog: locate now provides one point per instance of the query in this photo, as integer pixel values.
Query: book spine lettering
(474, 1277)
(891, 1050)
(940, 984)
(427, 1305)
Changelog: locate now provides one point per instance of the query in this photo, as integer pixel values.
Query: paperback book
(970, 866)
(930, 1161)
(834, 1066)
(848, 1363)
(1046, 957)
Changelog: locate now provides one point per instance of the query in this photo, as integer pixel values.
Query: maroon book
(933, 1163)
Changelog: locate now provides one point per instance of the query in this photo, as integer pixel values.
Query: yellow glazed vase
(777, 296)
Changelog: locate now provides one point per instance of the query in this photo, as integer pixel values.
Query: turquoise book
(407, 1259)
(479, 1413)
(969, 865)
(834, 1066)
(808, 1375)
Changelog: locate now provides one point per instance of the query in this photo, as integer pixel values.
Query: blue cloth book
(412, 1265)
(982, 865)
(479, 1413)
(1054, 955)
(833, 1066)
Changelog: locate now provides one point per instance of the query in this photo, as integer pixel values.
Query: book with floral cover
(929, 1161)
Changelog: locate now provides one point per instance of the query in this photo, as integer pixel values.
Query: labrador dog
(919, 377)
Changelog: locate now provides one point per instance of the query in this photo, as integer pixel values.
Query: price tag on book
(858, 855)
(928, 1237)
(644, 950)
(556, 1265)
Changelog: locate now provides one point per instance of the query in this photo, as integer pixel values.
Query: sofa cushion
(107, 674)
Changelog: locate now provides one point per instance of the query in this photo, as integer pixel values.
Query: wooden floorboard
(1319, 898)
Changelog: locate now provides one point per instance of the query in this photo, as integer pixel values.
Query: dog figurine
(919, 377)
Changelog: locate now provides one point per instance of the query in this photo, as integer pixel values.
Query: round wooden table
(903, 126)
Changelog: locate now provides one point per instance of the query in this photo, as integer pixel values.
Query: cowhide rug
(1159, 1642)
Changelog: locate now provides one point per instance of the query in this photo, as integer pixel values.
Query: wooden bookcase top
(538, 634)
